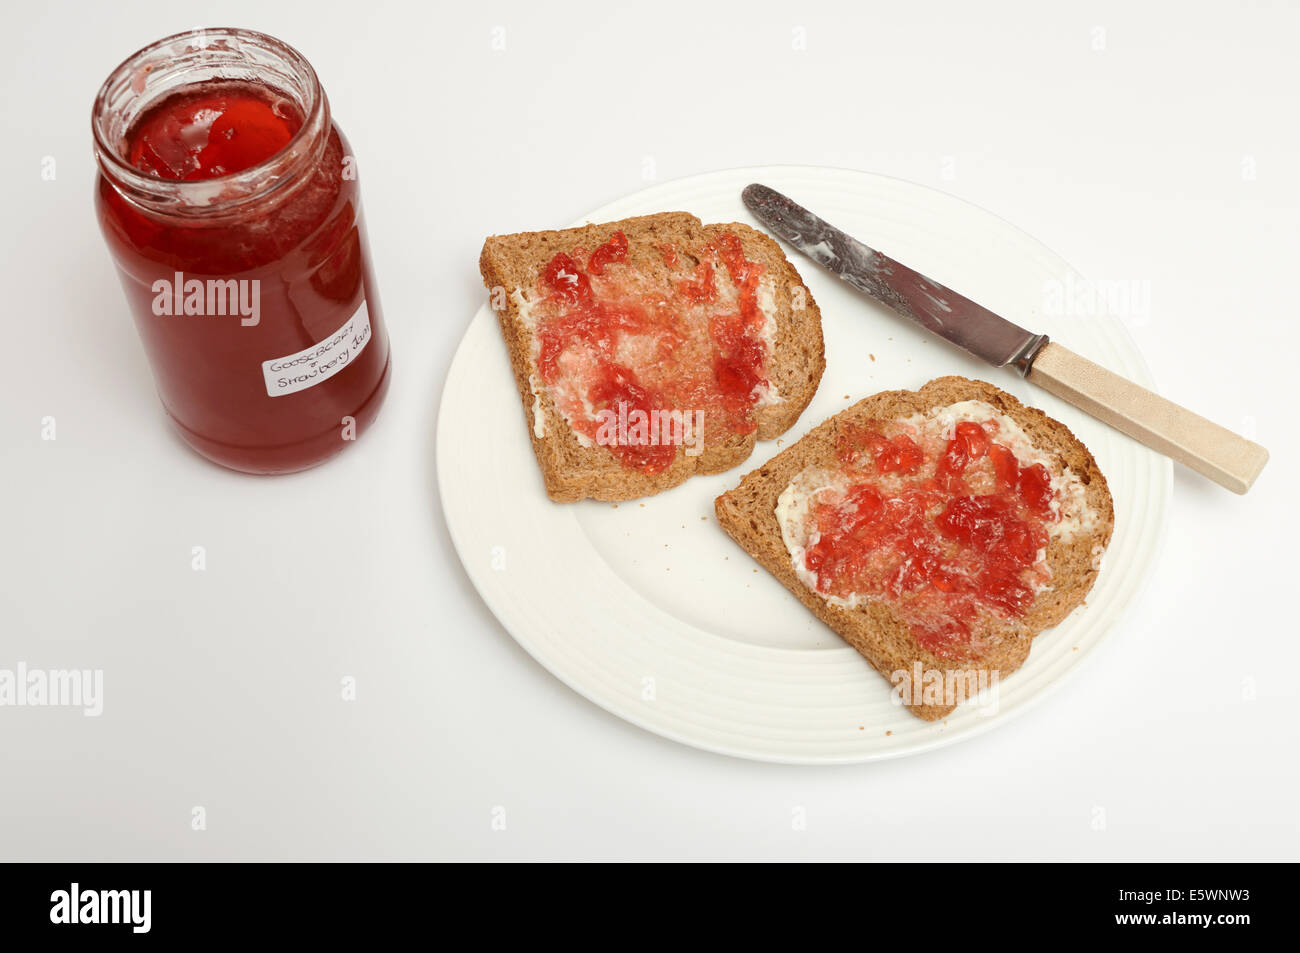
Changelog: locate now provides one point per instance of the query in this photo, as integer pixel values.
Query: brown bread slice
(573, 472)
(748, 515)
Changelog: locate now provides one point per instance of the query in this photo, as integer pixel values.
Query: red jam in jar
(229, 201)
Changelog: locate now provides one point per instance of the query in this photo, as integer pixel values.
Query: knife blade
(1214, 451)
(938, 309)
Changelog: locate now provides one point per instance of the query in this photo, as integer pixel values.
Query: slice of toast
(874, 627)
(512, 265)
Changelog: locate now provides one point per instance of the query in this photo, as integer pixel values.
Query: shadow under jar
(229, 201)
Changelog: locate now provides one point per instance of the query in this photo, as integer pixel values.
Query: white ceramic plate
(649, 610)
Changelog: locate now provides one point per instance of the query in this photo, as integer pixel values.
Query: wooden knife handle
(1223, 456)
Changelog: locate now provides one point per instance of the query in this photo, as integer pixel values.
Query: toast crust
(748, 514)
(573, 472)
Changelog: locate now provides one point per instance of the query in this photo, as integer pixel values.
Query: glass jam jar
(229, 201)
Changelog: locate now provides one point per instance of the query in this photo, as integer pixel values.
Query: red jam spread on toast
(691, 336)
(945, 523)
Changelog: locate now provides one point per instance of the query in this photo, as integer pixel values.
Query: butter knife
(1230, 460)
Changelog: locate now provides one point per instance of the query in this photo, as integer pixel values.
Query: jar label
(318, 363)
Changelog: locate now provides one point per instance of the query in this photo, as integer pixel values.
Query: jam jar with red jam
(229, 201)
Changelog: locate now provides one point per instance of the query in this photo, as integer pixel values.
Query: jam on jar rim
(610, 338)
(169, 58)
(948, 524)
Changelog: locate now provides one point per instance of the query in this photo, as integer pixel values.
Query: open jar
(229, 201)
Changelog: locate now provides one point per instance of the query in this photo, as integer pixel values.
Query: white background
(1158, 144)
